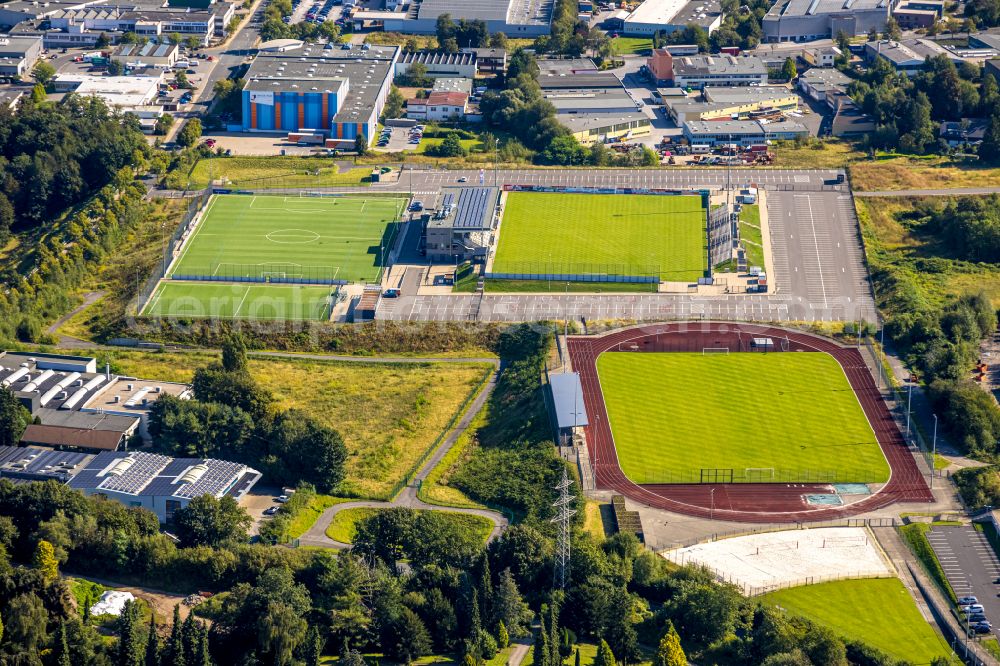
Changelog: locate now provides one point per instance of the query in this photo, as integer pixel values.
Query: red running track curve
(743, 502)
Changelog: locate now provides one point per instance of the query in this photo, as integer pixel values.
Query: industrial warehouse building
(699, 71)
(339, 93)
(68, 393)
(807, 20)
(594, 105)
(18, 55)
(514, 18)
(438, 63)
(743, 102)
(159, 483)
(740, 132)
(672, 15)
(135, 56)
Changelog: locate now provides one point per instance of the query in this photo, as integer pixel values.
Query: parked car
(281, 498)
(270, 511)
(965, 601)
(972, 608)
(463, 179)
(982, 627)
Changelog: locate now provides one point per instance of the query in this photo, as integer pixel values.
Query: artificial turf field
(877, 611)
(293, 237)
(674, 414)
(262, 302)
(602, 233)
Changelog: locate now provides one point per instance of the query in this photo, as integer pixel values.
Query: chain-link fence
(171, 246)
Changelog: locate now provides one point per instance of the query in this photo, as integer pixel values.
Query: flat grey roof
(699, 12)
(486, 10)
(789, 8)
(745, 94)
(718, 64)
(15, 46)
(567, 399)
(750, 127)
(825, 75)
(578, 122)
(579, 80)
(314, 67)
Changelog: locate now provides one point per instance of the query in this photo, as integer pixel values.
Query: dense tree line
(79, 155)
(233, 418)
(969, 227)
(274, 28)
(906, 109)
(53, 156)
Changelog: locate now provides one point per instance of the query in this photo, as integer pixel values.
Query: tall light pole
(496, 162)
(909, 400)
(711, 493)
(934, 451)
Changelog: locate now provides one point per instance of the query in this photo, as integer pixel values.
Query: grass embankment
(805, 393)
(389, 414)
(277, 171)
(344, 526)
(915, 536)
(752, 235)
(816, 154)
(890, 172)
(435, 489)
(877, 611)
(897, 246)
(310, 513)
(140, 252)
(469, 145)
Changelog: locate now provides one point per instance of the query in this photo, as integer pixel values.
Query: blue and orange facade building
(339, 93)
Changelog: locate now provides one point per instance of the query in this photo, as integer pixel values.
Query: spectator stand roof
(567, 399)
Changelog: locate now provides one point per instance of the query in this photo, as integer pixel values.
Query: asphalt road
(423, 181)
(970, 565)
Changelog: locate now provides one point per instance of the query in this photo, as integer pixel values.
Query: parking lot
(970, 565)
(398, 139)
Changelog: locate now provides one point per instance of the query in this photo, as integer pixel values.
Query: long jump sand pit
(760, 563)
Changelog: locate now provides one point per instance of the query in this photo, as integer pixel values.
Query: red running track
(747, 502)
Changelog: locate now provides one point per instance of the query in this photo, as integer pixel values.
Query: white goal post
(714, 350)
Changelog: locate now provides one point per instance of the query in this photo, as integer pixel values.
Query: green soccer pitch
(675, 414)
(588, 233)
(879, 612)
(256, 302)
(343, 238)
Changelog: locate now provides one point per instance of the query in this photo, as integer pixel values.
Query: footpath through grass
(878, 611)
(674, 414)
(389, 414)
(552, 233)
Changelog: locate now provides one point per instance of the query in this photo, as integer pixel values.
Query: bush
(276, 530)
(29, 330)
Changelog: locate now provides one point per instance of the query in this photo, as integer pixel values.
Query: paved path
(316, 535)
(947, 192)
(88, 300)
